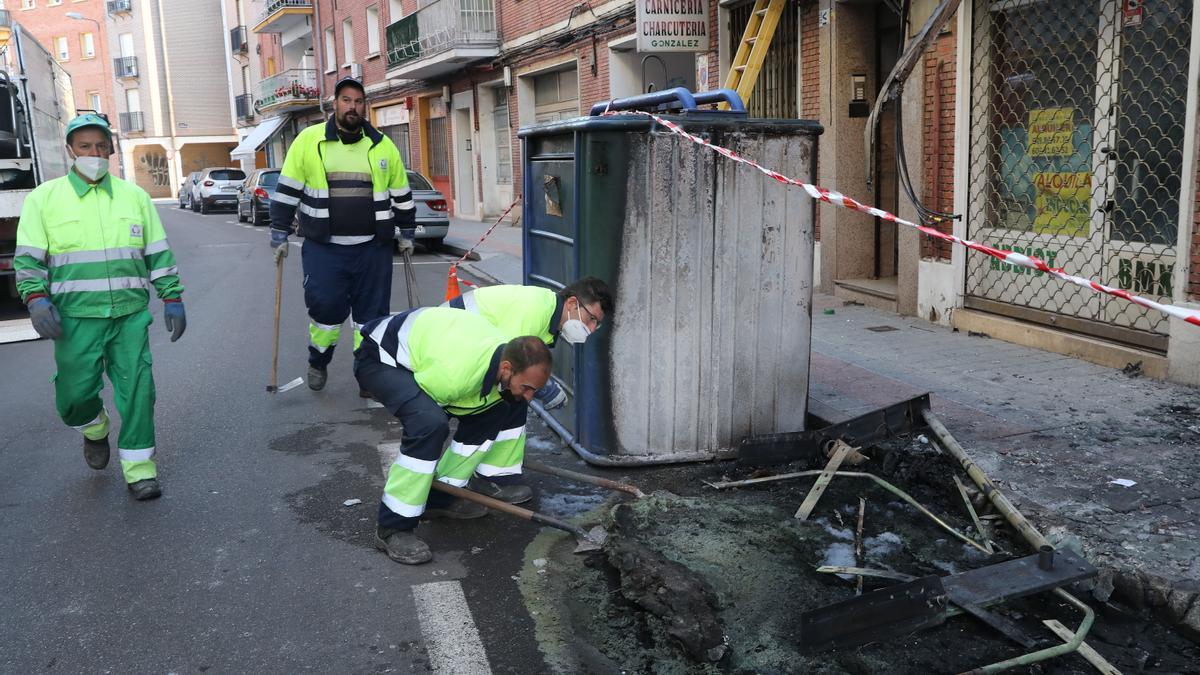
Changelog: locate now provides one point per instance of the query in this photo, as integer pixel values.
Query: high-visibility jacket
(95, 250)
(515, 310)
(453, 355)
(314, 173)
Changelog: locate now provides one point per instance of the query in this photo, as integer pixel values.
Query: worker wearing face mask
(425, 366)
(573, 313)
(90, 248)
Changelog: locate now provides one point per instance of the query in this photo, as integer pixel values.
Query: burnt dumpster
(711, 264)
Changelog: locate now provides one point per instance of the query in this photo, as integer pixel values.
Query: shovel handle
(278, 310)
(510, 509)
(582, 477)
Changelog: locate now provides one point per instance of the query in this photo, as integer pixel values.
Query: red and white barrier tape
(486, 235)
(838, 199)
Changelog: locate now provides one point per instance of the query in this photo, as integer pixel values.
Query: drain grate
(881, 329)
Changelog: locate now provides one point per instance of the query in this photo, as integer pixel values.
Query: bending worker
(426, 365)
(573, 313)
(351, 189)
(89, 249)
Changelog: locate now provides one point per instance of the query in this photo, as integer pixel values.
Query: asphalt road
(249, 562)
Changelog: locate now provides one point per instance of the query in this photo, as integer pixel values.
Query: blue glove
(175, 319)
(552, 396)
(44, 316)
(279, 243)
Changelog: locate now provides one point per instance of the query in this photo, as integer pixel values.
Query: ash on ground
(753, 567)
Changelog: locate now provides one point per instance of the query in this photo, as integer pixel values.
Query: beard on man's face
(349, 120)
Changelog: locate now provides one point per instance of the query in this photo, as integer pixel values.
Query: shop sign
(672, 25)
(1063, 202)
(391, 115)
(1131, 13)
(1046, 255)
(1051, 132)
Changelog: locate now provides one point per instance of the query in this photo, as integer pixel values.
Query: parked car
(433, 220)
(217, 186)
(254, 196)
(185, 189)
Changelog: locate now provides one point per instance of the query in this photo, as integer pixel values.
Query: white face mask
(91, 168)
(575, 331)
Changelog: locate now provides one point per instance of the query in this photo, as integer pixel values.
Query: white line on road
(372, 403)
(423, 262)
(450, 633)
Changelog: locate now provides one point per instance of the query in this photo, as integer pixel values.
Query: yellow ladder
(743, 72)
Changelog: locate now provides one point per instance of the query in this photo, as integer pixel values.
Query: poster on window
(1051, 132)
(672, 25)
(1063, 203)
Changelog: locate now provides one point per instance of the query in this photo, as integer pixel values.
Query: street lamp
(104, 65)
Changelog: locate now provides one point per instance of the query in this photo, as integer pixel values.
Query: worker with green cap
(90, 248)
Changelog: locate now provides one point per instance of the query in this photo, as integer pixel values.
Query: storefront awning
(258, 136)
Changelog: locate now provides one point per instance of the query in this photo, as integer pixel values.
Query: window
(61, 52)
(416, 181)
(372, 30)
(330, 52)
(399, 135)
(52, 3)
(347, 42)
(87, 45)
(133, 101)
(227, 174)
(556, 95)
(395, 11)
(503, 138)
(94, 100)
(126, 40)
(27, 4)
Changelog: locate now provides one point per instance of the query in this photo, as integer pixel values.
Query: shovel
(586, 541)
(537, 466)
(272, 388)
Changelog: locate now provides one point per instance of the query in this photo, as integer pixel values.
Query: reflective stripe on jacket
(515, 310)
(453, 355)
(95, 250)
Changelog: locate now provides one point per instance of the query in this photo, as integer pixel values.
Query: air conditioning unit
(356, 71)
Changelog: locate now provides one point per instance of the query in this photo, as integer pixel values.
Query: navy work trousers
(339, 280)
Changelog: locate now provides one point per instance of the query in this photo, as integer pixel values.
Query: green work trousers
(121, 347)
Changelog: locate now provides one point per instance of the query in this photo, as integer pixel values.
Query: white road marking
(372, 403)
(451, 637)
(423, 262)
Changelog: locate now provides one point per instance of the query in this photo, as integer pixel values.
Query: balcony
(441, 37)
(125, 67)
(239, 40)
(244, 104)
(120, 6)
(295, 88)
(132, 122)
(281, 16)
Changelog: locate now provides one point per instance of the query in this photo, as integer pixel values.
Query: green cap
(88, 120)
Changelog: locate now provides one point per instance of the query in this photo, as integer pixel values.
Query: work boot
(95, 453)
(316, 378)
(459, 509)
(146, 489)
(516, 493)
(403, 546)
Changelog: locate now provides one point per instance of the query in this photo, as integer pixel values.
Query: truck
(36, 102)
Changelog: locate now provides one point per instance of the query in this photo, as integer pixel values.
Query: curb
(459, 251)
(484, 276)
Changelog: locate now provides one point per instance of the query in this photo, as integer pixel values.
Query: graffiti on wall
(154, 163)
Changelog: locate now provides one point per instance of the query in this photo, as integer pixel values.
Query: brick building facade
(452, 81)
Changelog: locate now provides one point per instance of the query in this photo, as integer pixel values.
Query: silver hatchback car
(433, 218)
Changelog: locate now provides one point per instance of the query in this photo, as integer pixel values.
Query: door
(465, 201)
(1077, 121)
(437, 138)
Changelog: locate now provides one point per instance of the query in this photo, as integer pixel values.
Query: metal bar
(853, 474)
(1041, 655)
(818, 488)
(575, 475)
(962, 490)
(1011, 514)
(1155, 342)
(1085, 650)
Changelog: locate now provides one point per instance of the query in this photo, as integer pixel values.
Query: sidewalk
(1051, 430)
(499, 256)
